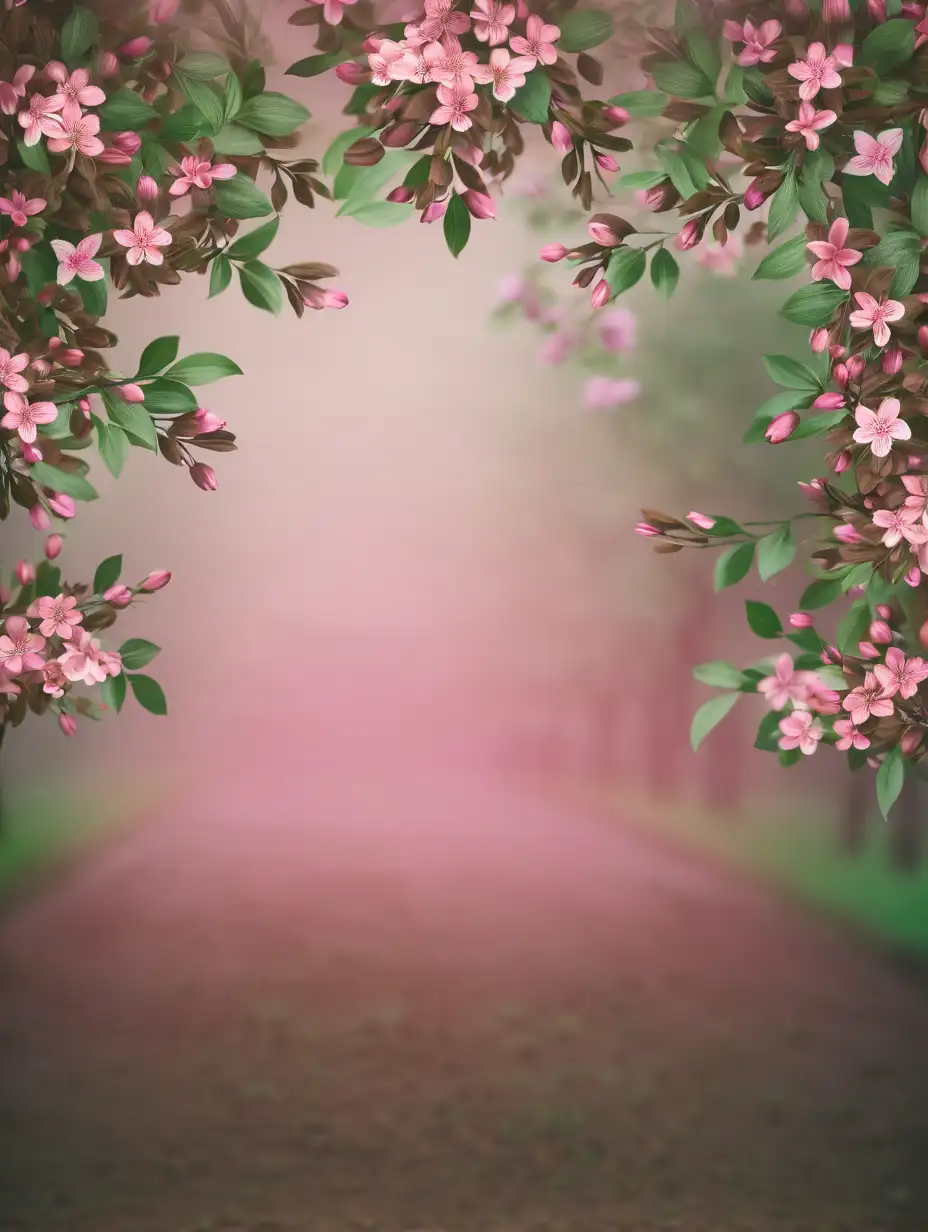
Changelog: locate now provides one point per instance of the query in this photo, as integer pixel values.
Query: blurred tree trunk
(905, 828)
(855, 813)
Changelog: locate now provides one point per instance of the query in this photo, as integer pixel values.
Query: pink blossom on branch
(834, 258)
(144, 241)
(809, 123)
(876, 315)
(818, 71)
(875, 154)
(76, 260)
(538, 41)
(198, 173)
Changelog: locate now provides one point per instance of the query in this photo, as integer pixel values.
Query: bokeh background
(418, 912)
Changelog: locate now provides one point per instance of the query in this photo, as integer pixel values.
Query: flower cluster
(823, 115)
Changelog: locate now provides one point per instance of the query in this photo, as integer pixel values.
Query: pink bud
(401, 195)
(479, 204)
(605, 162)
(914, 577)
(53, 546)
(802, 620)
(884, 611)
(923, 337)
(846, 533)
(617, 116)
(881, 633)
(837, 351)
(754, 196)
(55, 344)
(41, 367)
(553, 252)
(782, 427)
(4, 596)
(25, 572)
(831, 654)
(857, 592)
(84, 407)
(107, 64)
(147, 188)
(67, 723)
(128, 142)
(646, 529)
(819, 340)
(22, 244)
(844, 54)
(702, 520)
(208, 422)
(371, 44)
(842, 462)
(136, 47)
(155, 580)
(352, 73)
(64, 506)
(561, 138)
(603, 234)
(204, 477)
(31, 452)
(855, 366)
(867, 650)
(131, 392)
(690, 236)
(829, 402)
(39, 518)
(836, 11)
(118, 595)
(71, 357)
(841, 375)
(163, 10)
(114, 158)
(334, 299)
(910, 741)
(434, 211)
(892, 360)
(601, 294)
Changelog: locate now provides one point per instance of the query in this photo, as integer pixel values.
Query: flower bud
(207, 422)
(67, 723)
(911, 739)
(114, 158)
(702, 520)
(646, 529)
(128, 142)
(617, 116)
(131, 392)
(754, 196)
(782, 427)
(690, 236)
(397, 135)
(479, 204)
(71, 357)
(156, 580)
(334, 299)
(25, 572)
(884, 611)
(136, 47)
(829, 401)
(836, 11)
(842, 462)
(204, 477)
(831, 654)
(802, 620)
(31, 452)
(819, 340)
(841, 375)
(605, 162)
(63, 505)
(561, 139)
(661, 197)
(53, 546)
(147, 188)
(608, 230)
(41, 367)
(846, 533)
(880, 633)
(118, 595)
(601, 294)
(352, 73)
(433, 211)
(891, 362)
(39, 518)
(914, 577)
(867, 650)
(837, 351)
(401, 195)
(107, 64)
(855, 366)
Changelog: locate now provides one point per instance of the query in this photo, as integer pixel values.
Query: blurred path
(423, 1000)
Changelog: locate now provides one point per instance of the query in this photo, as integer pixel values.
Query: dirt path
(410, 1004)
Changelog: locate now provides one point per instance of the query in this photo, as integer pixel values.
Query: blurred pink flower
(851, 738)
(604, 393)
(617, 329)
(492, 20)
(12, 91)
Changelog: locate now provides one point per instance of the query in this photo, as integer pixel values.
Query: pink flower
(81, 662)
(800, 731)
(539, 40)
(40, 118)
(868, 699)
(904, 523)
(492, 20)
(58, 615)
(455, 104)
(450, 65)
(74, 89)
(880, 428)
(833, 257)
(875, 154)
(757, 40)
(809, 124)
(12, 91)
(25, 417)
(61, 505)
(332, 10)
(79, 135)
(617, 330)
(721, 259)
(198, 173)
(390, 62)
(10, 368)
(874, 314)
(819, 698)
(899, 674)
(604, 393)
(157, 579)
(503, 73)
(144, 241)
(917, 487)
(441, 18)
(54, 678)
(19, 649)
(818, 71)
(784, 686)
(20, 208)
(851, 738)
(76, 261)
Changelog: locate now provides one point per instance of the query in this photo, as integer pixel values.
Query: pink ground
(410, 1001)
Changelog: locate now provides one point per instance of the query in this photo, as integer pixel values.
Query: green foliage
(240, 198)
(889, 780)
(78, 35)
(582, 29)
(785, 261)
(456, 225)
(71, 484)
(814, 305)
(733, 565)
(261, 286)
(763, 620)
(157, 355)
(136, 652)
(887, 46)
(665, 272)
(273, 114)
(719, 674)
(249, 246)
(626, 267)
(792, 374)
(107, 574)
(775, 552)
(203, 368)
(709, 715)
(532, 100)
(149, 694)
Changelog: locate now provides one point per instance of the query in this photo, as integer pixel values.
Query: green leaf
(665, 272)
(203, 368)
(812, 199)
(889, 780)
(457, 225)
(261, 287)
(125, 109)
(205, 98)
(203, 65)
(626, 267)
(733, 565)
(702, 51)
(853, 628)
(234, 98)
(762, 619)
(157, 355)
(532, 100)
(149, 694)
(858, 575)
(274, 114)
(367, 185)
(820, 593)
(63, 481)
(240, 197)
(814, 305)
(107, 574)
(642, 179)
(168, 397)
(334, 156)
(35, 157)
(47, 580)
(791, 373)
(233, 139)
(312, 66)
(704, 137)
(784, 206)
(709, 715)
(816, 425)
(113, 691)
(136, 652)
(249, 246)
(919, 205)
(680, 79)
(77, 35)
(720, 674)
(220, 275)
(94, 294)
(887, 46)
(133, 417)
(776, 552)
(768, 733)
(784, 261)
(185, 124)
(113, 445)
(900, 251)
(382, 213)
(582, 29)
(642, 104)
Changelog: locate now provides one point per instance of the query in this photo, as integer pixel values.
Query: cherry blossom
(40, 119)
(25, 417)
(757, 41)
(833, 257)
(441, 18)
(333, 10)
(53, 678)
(880, 428)
(801, 731)
(809, 124)
(504, 73)
(76, 260)
(144, 241)
(20, 208)
(198, 173)
(74, 89)
(19, 648)
(11, 368)
(783, 686)
(455, 104)
(538, 41)
(875, 154)
(75, 134)
(12, 91)
(58, 616)
(492, 20)
(850, 736)
(903, 523)
(449, 64)
(899, 674)
(876, 315)
(82, 662)
(868, 700)
(818, 71)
